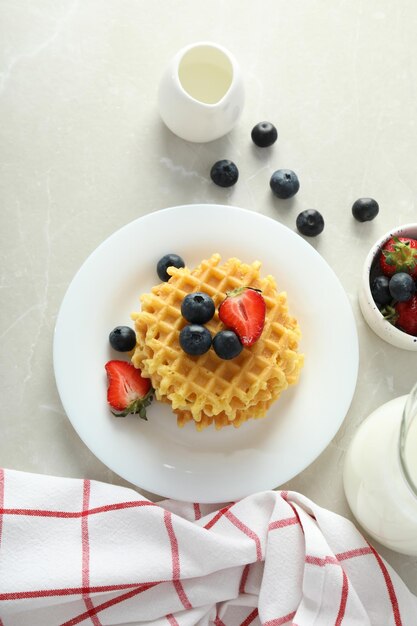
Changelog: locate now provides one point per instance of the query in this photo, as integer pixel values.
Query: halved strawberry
(127, 392)
(403, 315)
(399, 254)
(244, 312)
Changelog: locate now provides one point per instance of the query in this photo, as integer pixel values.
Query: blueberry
(122, 338)
(401, 286)
(197, 308)
(227, 344)
(310, 223)
(195, 339)
(365, 209)
(264, 134)
(284, 183)
(224, 173)
(168, 260)
(380, 290)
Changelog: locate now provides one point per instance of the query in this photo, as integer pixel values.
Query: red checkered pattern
(81, 552)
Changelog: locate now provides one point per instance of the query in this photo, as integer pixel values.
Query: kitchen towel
(83, 552)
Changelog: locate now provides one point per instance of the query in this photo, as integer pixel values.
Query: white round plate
(208, 466)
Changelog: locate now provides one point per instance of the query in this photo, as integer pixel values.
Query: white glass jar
(380, 474)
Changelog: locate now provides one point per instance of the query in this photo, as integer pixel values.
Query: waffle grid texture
(206, 389)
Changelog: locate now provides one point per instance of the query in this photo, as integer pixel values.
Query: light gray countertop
(84, 152)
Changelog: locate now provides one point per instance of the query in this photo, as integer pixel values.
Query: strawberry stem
(138, 406)
(390, 314)
(403, 257)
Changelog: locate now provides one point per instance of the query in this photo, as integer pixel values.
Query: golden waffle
(205, 388)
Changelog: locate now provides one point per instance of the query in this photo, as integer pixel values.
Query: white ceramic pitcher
(201, 93)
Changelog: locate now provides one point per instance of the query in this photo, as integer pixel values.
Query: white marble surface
(84, 152)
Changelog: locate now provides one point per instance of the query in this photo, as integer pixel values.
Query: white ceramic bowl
(370, 311)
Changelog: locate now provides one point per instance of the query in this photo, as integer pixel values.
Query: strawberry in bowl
(399, 254)
(388, 299)
(404, 315)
